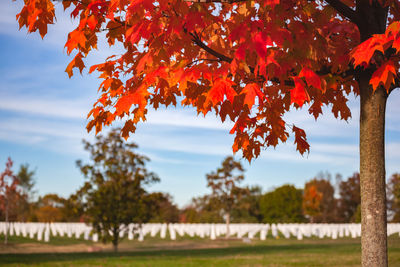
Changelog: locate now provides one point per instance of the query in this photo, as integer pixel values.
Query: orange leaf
(299, 94)
(251, 91)
(75, 38)
(384, 74)
(221, 88)
(92, 22)
(363, 53)
(125, 102)
(75, 63)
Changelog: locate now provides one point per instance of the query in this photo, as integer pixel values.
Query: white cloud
(44, 107)
(186, 118)
(20, 138)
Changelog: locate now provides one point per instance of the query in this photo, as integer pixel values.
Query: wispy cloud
(186, 118)
(56, 108)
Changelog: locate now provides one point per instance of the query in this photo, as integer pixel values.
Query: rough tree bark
(372, 18)
(372, 174)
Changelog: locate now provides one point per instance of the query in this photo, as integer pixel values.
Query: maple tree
(250, 61)
(318, 200)
(312, 201)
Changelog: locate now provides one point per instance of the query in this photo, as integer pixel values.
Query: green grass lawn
(203, 252)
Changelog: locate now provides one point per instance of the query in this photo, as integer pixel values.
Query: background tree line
(116, 192)
(322, 200)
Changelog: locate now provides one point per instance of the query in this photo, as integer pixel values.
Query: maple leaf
(363, 53)
(126, 101)
(312, 79)
(299, 94)
(261, 40)
(129, 127)
(75, 63)
(75, 38)
(384, 75)
(220, 89)
(240, 53)
(92, 22)
(300, 140)
(251, 91)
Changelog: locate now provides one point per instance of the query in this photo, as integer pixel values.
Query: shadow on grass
(342, 248)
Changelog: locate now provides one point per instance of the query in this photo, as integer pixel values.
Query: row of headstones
(43, 231)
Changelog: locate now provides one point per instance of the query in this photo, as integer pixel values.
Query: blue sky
(43, 119)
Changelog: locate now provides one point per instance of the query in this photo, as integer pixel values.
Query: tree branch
(196, 39)
(221, 57)
(344, 10)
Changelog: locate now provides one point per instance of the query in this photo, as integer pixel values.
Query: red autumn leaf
(125, 102)
(384, 75)
(92, 22)
(240, 53)
(300, 140)
(312, 79)
(220, 89)
(261, 40)
(363, 53)
(251, 91)
(299, 94)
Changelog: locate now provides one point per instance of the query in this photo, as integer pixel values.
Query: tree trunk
(115, 247)
(6, 234)
(227, 220)
(372, 174)
(115, 239)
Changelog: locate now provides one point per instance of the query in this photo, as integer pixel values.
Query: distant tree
(9, 193)
(224, 185)
(114, 195)
(350, 199)
(282, 205)
(26, 179)
(311, 201)
(393, 197)
(50, 208)
(160, 208)
(319, 201)
(188, 215)
(247, 209)
(74, 207)
(25, 206)
(203, 209)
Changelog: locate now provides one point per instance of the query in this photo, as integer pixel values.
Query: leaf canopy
(250, 61)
